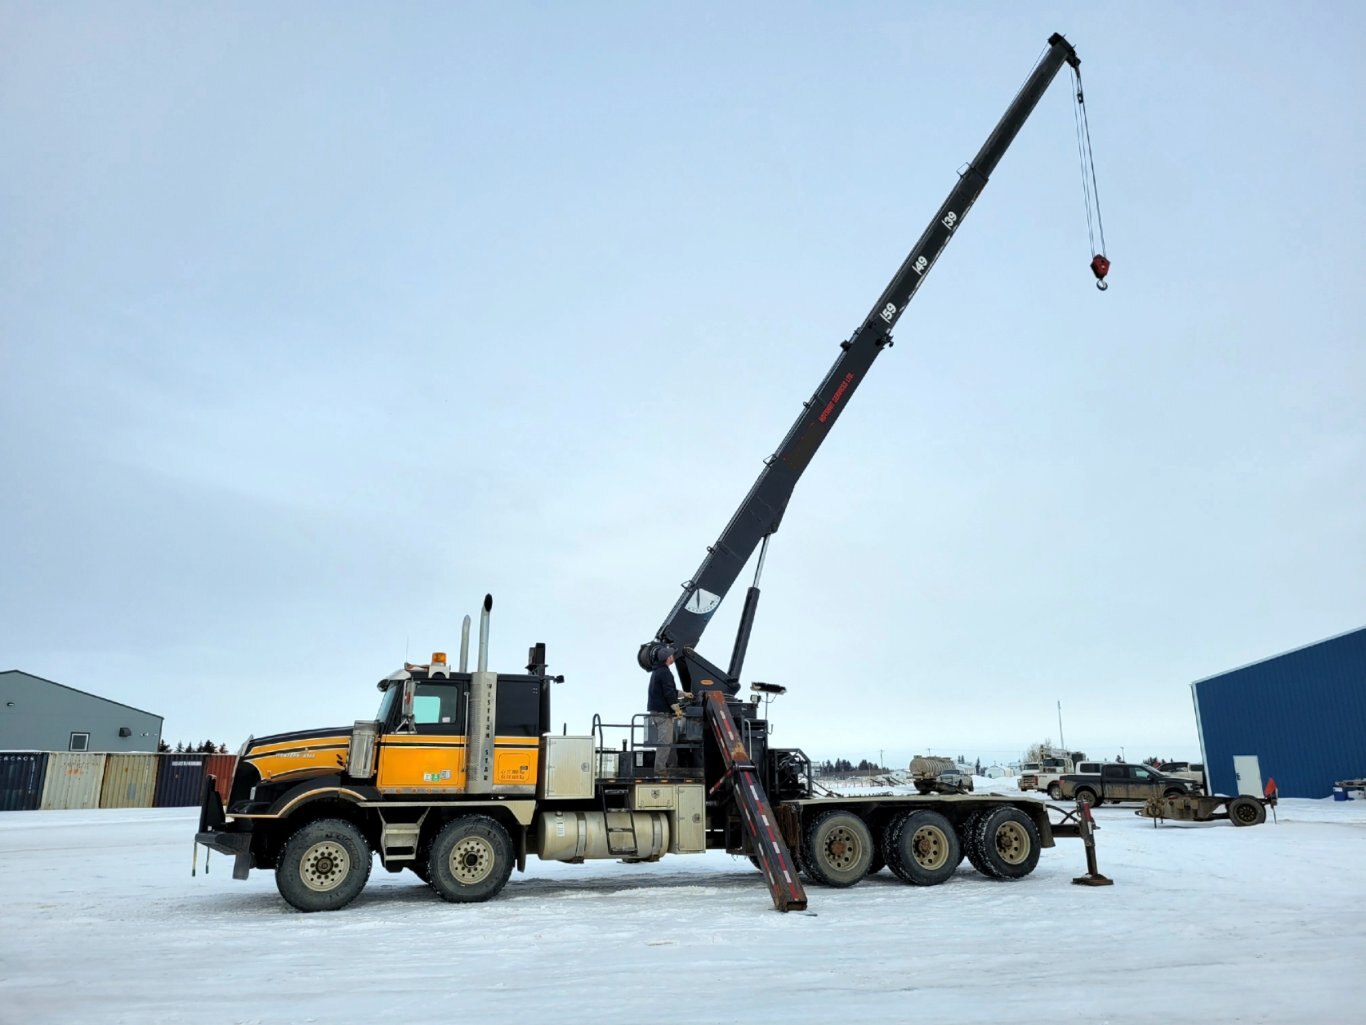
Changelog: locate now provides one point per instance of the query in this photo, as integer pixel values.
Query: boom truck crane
(459, 778)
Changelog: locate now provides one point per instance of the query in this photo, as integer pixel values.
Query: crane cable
(1100, 263)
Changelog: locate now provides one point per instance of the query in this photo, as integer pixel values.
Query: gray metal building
(1298, 718)
(43, 715)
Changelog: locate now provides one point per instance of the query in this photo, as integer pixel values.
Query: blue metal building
(1297, 718)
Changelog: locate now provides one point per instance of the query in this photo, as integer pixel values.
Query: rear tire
(470, 859)
(324, 865)
(968, 841)
(1246, 811)
(837, 849)
(922, 848)
(1085, 795)
(1054, 792)
(1008, 844)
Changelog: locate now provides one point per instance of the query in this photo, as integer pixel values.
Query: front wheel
(838, 849)
(324, 865)
(470, 859)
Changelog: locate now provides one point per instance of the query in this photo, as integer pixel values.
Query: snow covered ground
(1205, 923)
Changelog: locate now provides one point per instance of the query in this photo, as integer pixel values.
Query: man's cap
(654, 654)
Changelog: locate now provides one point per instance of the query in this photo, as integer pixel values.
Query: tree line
(208, 747)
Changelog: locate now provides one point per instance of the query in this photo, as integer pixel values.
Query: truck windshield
(386, 703)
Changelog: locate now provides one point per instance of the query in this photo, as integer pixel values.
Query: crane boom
(762, 510)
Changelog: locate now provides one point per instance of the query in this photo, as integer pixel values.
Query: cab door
(1142, 783)
(1114, 782)
(431, 758)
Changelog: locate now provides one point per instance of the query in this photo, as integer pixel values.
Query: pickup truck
(1045, 773)
(1118, 781)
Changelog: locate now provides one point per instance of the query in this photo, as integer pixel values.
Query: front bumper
(213, 836)
(236, 844)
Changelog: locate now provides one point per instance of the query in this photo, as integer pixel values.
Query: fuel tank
(581, 835)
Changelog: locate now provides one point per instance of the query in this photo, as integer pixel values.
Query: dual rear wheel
(1002, 843)
(921, 847)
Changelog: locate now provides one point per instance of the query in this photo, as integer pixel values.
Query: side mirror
(405, 724)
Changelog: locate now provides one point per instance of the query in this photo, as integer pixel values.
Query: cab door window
(439, 708)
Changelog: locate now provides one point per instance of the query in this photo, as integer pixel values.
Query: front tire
(324, 865)
(470, 859)
(838, 849)
(922, 848)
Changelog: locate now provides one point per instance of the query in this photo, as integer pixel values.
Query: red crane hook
(1100, 267)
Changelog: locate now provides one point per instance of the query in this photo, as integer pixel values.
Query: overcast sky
(317, 322)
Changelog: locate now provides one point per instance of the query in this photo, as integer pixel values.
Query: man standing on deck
(663, 707)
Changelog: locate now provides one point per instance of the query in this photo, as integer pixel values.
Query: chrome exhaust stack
(465, 645)
(484, 634)
(483, 707)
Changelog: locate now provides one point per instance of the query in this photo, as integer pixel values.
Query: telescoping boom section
(761, 512)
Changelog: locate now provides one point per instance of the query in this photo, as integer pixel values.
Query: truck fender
(296, 797)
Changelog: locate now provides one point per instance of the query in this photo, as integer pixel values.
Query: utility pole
(1061, 743)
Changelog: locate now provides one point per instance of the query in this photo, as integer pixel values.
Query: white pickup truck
(1045, 773)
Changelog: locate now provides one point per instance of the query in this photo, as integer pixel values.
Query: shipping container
(178, 779)
(73, 780)
(221, 768)
(21, 780)
(129, 781)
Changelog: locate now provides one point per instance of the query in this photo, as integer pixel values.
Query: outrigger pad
(1095, 880)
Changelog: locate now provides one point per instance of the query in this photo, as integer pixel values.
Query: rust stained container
(129, 781)
(221, 768)
(21, 780)
(73, 780)
(178, 780)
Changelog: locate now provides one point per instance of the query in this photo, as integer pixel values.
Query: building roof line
(87, 693)
(1270, 658)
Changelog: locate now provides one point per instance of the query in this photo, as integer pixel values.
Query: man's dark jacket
(663, 693)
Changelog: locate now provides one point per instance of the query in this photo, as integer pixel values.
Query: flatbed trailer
(1243, 810)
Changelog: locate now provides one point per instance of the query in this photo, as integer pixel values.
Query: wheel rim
(930, 847)
(472, 860)
(842, 849)
(1012, 843)
(324, 866)
(1245, 813)
(1086, 797)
